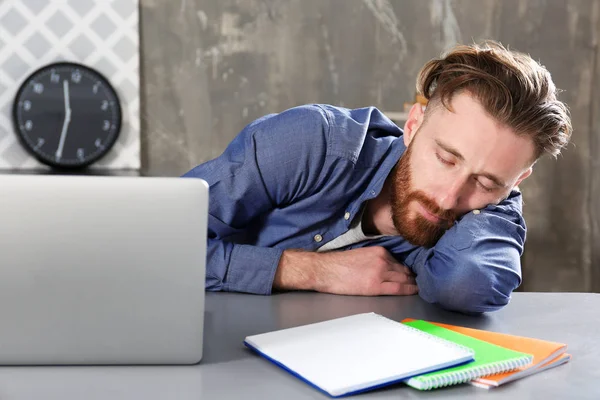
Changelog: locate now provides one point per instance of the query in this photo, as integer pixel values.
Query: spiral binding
(434, 338)
(456, 377)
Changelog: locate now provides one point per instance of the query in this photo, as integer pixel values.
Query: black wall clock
(67, 115)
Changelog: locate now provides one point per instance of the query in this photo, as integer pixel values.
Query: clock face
(67, 115)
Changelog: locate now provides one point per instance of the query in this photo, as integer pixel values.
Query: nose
(449, 195)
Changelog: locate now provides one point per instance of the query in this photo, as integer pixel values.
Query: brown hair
(513, 88)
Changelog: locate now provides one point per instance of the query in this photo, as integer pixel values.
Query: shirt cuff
(252, 269)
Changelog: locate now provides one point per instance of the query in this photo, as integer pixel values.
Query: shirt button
(476, 212)
(347, 215)
(318, 238)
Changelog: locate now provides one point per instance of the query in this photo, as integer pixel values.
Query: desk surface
(230, 371)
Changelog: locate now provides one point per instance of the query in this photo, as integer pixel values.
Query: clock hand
(65, 127)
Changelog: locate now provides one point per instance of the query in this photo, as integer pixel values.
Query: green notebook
(489, 359)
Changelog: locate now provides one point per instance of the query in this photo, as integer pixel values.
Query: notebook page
(356, 352)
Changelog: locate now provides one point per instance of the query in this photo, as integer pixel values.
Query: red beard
(410, 224)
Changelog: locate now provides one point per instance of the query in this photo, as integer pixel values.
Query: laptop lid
(102, 270)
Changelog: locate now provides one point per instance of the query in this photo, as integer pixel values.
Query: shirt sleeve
(272, 161)
(476, 265)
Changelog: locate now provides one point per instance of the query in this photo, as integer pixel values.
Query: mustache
(448, 216)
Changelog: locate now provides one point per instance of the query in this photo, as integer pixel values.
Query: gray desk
(230, 371)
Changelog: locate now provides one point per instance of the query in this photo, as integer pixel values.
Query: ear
(414, 121)
(524, 175)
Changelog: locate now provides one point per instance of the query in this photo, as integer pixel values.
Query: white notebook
(357, 353)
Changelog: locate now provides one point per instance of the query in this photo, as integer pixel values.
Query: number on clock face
(67, 115)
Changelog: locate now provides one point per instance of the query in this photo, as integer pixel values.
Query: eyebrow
(497, 181)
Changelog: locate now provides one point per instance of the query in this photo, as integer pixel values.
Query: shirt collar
(394, 153)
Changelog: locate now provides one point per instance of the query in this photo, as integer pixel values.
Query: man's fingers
(400, 277)
(395, 265)
(398, 289)
(400, 268)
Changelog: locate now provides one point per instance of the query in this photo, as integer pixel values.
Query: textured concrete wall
(210, 67)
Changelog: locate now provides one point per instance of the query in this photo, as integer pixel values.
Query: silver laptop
(102, 270)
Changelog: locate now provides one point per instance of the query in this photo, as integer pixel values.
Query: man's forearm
(297, 270)
(363, 271)
(475, 266)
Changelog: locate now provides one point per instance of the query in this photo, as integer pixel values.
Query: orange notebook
(545, 354)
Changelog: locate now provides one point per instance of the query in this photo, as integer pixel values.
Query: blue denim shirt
(287, 181)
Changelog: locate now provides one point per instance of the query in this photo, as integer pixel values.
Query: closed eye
(484, 187)
(443, 160)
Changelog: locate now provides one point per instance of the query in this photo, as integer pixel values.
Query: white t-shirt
(354, 235)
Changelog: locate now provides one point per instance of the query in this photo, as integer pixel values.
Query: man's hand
(367, 271)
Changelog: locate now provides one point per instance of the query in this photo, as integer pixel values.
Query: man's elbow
(473, 291)
(462, 297)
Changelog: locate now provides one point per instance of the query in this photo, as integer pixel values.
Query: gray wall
(210, 67)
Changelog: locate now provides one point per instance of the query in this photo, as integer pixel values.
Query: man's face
(459, 161)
